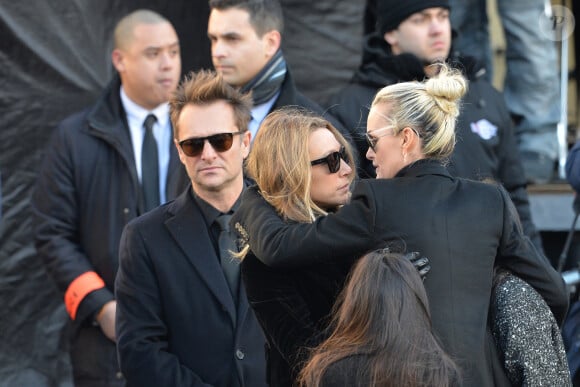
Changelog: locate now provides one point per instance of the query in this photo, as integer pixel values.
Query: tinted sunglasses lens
(344, 155)
(370, 142)
(192, 147)
(333, 161)
(221, 142)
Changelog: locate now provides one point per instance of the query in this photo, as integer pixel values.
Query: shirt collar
(209, 212)
(259, 112)
(138, 113)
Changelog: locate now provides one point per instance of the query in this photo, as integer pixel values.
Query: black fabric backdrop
(55, 60)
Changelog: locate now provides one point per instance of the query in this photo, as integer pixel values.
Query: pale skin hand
(106, 320)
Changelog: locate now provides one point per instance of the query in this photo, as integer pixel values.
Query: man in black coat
(90, 187)
(486, 144)
(183, 317)
(245, 40)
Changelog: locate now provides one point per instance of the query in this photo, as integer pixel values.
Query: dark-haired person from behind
(381, 332)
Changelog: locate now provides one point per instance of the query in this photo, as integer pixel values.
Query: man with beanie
(246, 37)
(412, 35)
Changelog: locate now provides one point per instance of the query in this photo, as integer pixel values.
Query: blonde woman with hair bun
(466, 228)
(426, 110)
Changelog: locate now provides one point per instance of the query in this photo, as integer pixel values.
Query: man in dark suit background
(183, 319)
(94, 179)
(246, 39)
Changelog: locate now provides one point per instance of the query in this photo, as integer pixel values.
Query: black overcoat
(177, 324)
(293, 307)
(87, 191)
(486, 142)
(464, 227)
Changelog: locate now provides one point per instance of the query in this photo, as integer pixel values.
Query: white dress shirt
(162, 131)
(259, 112)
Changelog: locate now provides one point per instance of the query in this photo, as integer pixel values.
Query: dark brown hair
(382, 316)
(265, 15)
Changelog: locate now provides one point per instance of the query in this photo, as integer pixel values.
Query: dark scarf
(380, 67)
(268, 81)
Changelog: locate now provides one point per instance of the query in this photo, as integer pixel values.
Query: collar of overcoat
(186, 225)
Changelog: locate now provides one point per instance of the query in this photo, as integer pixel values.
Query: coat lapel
(190, 232)
(243, 305)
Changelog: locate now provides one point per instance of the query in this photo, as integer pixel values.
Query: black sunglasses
(221, 142)
(332, 160)
(371, 142)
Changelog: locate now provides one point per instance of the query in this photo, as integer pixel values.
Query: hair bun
(447, 87)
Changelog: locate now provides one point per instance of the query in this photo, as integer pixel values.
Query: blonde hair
(430, 108)
(280, 164)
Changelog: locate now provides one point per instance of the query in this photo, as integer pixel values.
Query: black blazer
(293, 308)
(464, 227)
(349, 371)
(176, 321)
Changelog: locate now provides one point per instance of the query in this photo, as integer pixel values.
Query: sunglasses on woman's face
(373, 139)
(221, 142)
(332, 160)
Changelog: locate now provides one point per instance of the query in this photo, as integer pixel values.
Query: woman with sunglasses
(466, 228)
(304, 165)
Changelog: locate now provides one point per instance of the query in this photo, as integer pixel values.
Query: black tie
(227, 245)
(150, 166)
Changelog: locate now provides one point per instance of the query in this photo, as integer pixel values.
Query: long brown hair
(383, 315)
(279, 161)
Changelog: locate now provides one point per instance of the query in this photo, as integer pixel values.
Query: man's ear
(246, 143)
(182, 156)
(273, 41)
(391, 37)
(117, 59)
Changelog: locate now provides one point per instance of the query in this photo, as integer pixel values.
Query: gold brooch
(243, 234)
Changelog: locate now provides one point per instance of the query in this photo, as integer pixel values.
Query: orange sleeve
(79, 288)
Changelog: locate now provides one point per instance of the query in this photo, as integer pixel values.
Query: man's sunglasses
(221, 142)
(332, 160)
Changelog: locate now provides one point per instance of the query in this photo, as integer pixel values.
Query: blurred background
(55, 60)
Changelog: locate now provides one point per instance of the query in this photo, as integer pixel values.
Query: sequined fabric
(527, 335)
